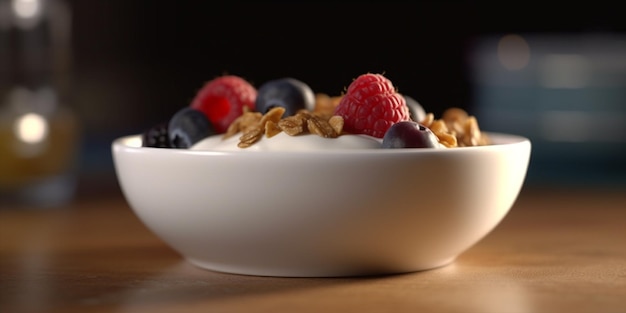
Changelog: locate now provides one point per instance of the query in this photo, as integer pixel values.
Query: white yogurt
(285, 142)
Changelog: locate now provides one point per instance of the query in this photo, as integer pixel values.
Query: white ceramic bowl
(323, 213)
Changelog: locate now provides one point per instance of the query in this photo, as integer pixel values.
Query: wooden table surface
(556, 251)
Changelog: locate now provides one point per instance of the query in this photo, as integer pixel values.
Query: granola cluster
(456, 128)
(254, 125)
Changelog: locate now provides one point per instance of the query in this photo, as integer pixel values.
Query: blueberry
(156, 137)
(289, 93)
(416, 111)
(409, 134)
(188, 126)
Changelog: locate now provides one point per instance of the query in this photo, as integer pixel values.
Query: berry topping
(416, 111)
(156, 137)
(289, 93)
(409, 134)
(187, 127)
(371, 105)
(223, 99)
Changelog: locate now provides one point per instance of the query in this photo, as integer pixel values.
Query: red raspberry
(222, 100)
(371, 105)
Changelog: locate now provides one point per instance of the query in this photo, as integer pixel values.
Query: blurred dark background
(134, 63)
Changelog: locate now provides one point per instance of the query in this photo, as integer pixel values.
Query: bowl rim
(132, 143)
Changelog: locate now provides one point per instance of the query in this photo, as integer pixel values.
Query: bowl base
(314, 272)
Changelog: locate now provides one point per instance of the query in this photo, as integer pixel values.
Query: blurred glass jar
(38, 128)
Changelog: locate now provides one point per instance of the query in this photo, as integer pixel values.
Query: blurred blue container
(566, 92)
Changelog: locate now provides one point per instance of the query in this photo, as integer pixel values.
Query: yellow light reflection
(26, 8)
(31, 128)
(513, 52)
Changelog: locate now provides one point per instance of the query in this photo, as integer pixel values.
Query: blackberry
(156, 136)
